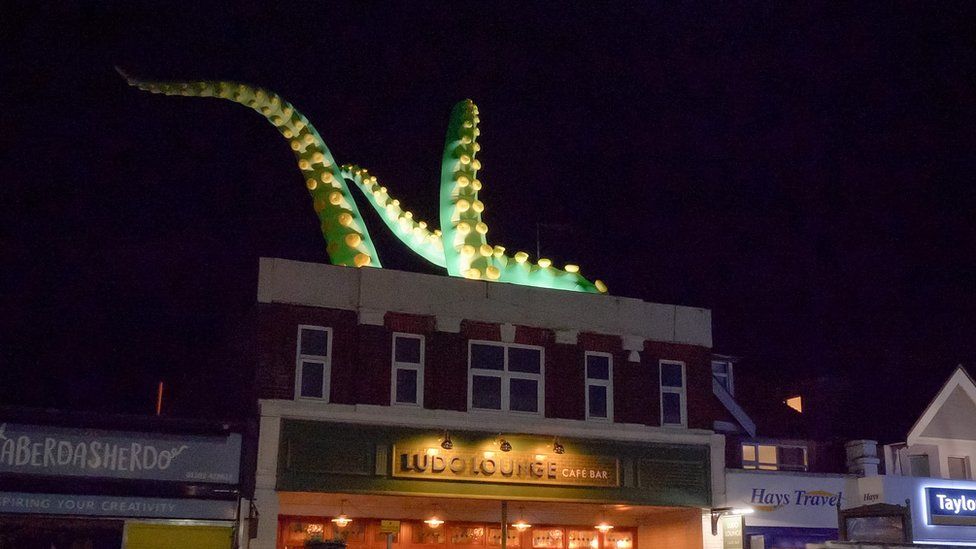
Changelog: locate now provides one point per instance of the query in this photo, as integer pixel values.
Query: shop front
(788, 509)
(433, 489)
(95, 487)
(936, 511)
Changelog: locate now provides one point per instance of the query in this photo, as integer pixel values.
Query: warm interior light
(489, 454)
(433, 522)
(604, 527)
(432, 451)
(342, 521)
(521, 525)
(796, 403)
(540, 457)
(743, 511)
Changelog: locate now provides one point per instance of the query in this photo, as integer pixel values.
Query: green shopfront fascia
(360, 459)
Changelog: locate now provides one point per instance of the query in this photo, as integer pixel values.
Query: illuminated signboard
(951, 506)
(506, 467)
(460, 245)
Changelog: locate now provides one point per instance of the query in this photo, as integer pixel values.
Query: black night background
(804, 170)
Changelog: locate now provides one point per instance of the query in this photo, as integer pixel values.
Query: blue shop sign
(951, 506)
(61, 451)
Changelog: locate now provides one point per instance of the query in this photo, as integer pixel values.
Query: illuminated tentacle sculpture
(461, 244)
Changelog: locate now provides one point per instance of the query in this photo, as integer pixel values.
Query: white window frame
(506, 376)
(729, 384)
(608, 383)
(682, 393)
(326, 362)
(778, 465)
(419, 368)
(967, 470)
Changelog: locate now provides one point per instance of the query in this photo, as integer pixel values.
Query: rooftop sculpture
(460, 245)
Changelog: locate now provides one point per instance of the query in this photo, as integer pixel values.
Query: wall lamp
(504, 445)
(719, 512)
(446, 443)
(557, 447)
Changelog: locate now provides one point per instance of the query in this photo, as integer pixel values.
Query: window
(407, 386)
(312, 366)
(959, 468)
(505, 377)
(599, 386)
(722, 371)
(674, 409)
(772, 457)
(919, 465)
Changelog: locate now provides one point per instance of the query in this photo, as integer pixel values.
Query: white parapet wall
(372, 292)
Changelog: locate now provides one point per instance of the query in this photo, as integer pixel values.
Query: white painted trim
(419, 368)
(567, 337)
(682, 393)
(325, 360)
(506, 376)
(733, 407)
(608, 383)
(438, 420)
(959, 378)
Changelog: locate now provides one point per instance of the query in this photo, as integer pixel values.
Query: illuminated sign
(951, 506)
(460, 245)
(506, 467)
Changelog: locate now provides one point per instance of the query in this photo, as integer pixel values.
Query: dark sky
(803, 169)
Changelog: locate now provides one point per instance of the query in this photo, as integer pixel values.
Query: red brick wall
(361, 364)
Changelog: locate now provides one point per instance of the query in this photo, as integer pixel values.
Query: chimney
(862, 457)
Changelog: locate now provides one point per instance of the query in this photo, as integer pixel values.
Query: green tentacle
(346, 234)
(401, 222)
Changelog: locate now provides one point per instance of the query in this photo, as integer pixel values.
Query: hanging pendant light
(603, 526)
(342, 520)
(433, 522)
(520, 524)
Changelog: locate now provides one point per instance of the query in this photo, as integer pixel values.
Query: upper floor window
(918, 464)
(674, 405)
(313, 362)
(408, 369)
(599, 386)
(505, 376)
(773, 457)
(722, 371)
(959, 468)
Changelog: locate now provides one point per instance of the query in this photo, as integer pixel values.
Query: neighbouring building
(929, 476)
(785, 470)
(78, 480)
(433, 412)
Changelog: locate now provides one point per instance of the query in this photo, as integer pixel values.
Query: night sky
(802, 169)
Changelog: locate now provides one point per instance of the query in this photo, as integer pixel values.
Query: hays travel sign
(58, 451)
(783, 499)
(951, 506)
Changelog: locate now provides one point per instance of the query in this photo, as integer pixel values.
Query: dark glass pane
(671, 408)
(406, 386)
(598, 401)
(523, 395)
(488, 357)
(313, 373)
(671, 375)
(315, 342)
(792, 459)
(524, 360)
(407, 350)
(720, 368)
(486, 392)
(597, 367)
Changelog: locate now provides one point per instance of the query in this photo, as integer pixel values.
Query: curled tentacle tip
(521, 257)
(600, 286)
(361, 260)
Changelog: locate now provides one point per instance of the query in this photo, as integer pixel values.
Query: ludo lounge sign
(951, 506)
(506, 467)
